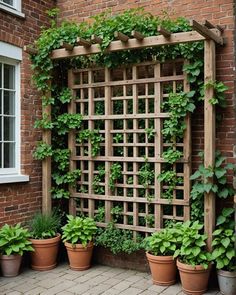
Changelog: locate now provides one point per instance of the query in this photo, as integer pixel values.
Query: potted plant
(224, 253)
(160, 248)
(77, 236)
(45, 240)
(13, 243)
(193, 260)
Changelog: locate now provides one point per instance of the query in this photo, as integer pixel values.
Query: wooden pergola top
(207, 31)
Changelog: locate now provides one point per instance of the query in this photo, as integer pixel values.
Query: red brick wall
(19, 201)
(219, 12)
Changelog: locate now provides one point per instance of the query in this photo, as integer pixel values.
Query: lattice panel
(124, 106)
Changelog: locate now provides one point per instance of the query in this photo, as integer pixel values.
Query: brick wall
(219, 12)
(19, 201)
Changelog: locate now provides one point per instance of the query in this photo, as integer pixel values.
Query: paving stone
(134, 278)
(65, 293)
(122, 285)
(111, 291)
(143, 284)
(131, 291)
(59, 288)
(172, 290)
(13, 293)
(79, 289)
(36, 291)
(49, 283)
(157, 289)
(97, 290)
(147, 292)
(25, 286)
(111, 281)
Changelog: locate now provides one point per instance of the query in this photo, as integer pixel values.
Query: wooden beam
(67, 46)
(209, 136)
(176, 38)
(83, 42)
(204, 31)
(120, 36)
(30, 50)
(209, 25)
(137, 35)
(96, 39)
(163, 32)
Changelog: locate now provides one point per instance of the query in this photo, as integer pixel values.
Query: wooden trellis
(124, 104)
(211, 35)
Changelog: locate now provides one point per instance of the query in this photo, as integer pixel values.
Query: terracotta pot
(45, 255)
(79, 256)
(194, 279)
(10, 265)
(163, 269)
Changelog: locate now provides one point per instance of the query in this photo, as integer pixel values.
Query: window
(10, 57)
(12, 6)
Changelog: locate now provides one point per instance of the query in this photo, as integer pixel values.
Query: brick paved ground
(97, 280)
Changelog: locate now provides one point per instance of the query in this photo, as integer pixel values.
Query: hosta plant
(79, 230)
(14, 240)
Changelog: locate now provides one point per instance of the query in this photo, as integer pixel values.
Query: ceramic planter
(227, 282)
(45, 252)
(163, 269)
(194, 279)
(10, 265)
(79, 256)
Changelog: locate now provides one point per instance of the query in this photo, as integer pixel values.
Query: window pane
(9, 2)
(9, 129)
(1, 139)
(0, 102)
(1, 155)
(0, 75)
(9, 73)
(9, 103)
(9, 155)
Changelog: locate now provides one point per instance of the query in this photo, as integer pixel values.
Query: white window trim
(9, 175)
(14, 10)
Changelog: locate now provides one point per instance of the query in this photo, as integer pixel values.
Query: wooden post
(209, 136)
(46, 166)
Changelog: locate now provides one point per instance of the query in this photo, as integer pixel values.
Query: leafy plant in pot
(161, 247)
(193, 260)
(77, 236)
(45, 240)
(14, 241)
(224, 254)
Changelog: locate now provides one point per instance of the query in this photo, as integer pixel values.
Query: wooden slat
(205, 32)
(83, 42)
(209, 136)
(164, 32)
(209, 25)
(176, 38)
(67, 46)
(137, 35)
(120, 36)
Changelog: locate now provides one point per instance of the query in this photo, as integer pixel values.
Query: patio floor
(96, 280)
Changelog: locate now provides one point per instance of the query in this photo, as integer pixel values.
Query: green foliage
(225, 219)
(65, 96)
(171, 155)
(170, 179)
(162, 243)
(219, 91)
(116, 212)
(203, 184)
(150, 132)
(60, 193)
(97, 179)
(79, 230)
(14, 240)
(193, 244)
(44, 123)
(146, 175)
(67, 122)
(45, 226)
(100, 215)
(115, 175)
(69, 177)
(118, 138)
(94, 137)
(117, 240)
(62, 158)
(194, 70)
(42, 151)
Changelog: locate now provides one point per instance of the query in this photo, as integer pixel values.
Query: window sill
(12, 11)
(13, 178)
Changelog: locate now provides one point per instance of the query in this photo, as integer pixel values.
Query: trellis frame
(211, 35)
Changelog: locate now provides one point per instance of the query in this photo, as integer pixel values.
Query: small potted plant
(14, 241)
(161, 247)
(224, 254)
(77, 236)
(45, 240)
(193, 260)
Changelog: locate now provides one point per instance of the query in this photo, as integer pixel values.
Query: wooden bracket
(30, 50)
(120, 36)
(209, 25)
(67, 46)
(137, 35)
(207, 33)
(164, 32)
(96, 39)
(83, 42)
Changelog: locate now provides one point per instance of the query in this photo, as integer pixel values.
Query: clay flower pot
(10, 265)
(163, 269)
(79, 256)
(194, 279)
(45, 252)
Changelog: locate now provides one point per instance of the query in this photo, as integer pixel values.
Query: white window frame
(15, 9)
(12, 55)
